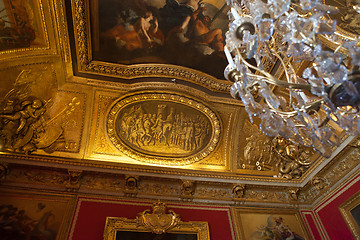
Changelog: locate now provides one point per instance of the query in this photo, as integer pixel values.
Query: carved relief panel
(164, 129)
(34, 115)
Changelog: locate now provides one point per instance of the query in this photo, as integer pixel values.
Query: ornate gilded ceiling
(87, 101)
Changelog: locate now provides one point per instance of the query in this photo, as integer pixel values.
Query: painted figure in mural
(199, 31)
(148, 28)
(180, 32)
(176, 16)
(276, 229)
(143, 32)
(17, 224)
(17, 25)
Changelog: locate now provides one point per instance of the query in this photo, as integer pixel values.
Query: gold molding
(163, 159)
(201, 229)
(346, 209)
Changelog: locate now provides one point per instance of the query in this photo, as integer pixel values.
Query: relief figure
(162, 126)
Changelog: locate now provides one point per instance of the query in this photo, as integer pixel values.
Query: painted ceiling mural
(186, 33)
(20, 24)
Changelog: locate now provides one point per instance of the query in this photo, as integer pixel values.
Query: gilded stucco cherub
(25, 125)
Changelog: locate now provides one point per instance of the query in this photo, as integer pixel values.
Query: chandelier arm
(343, 36)
(253, 67)
(282, 63)
(270, 79)
(286, 72)
(313, 105)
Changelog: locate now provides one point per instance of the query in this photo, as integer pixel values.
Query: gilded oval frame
(157, 158)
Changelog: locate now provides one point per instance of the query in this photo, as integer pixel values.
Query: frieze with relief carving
(163, 129)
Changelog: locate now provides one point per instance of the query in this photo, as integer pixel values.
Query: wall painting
(269, 224)
(31, 217)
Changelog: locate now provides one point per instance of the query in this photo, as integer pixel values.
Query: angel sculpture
(25, 125)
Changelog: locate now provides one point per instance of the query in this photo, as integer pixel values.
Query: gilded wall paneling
(148, 187)
(222, 156)
(256, 155)
(345, 163)
(100, 145)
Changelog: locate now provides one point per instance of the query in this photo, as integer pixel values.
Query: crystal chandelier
(310, 107)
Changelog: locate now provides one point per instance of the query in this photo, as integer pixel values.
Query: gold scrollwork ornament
(187, 189)
(158, 221)
(238, 192)
(131, 185)
(293, 160)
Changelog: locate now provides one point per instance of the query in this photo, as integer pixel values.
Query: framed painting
(182, 39)
(155, 225)
(31, 216)
(128, 235)
(259, 224)
(350, 211)
(21, 24)
(129, 229)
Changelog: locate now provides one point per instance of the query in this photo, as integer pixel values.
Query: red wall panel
(311, 226)
(332, 223)
(330, 215)
(90, 217)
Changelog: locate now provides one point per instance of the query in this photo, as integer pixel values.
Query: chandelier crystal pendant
(310, 108)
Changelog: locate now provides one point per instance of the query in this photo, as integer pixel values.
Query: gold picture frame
(251, 223)
(113, 224)
(347, 210)
(155, 223)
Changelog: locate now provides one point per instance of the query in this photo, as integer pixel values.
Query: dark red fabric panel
(331, 217)
(310, 220)
(90, 216)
